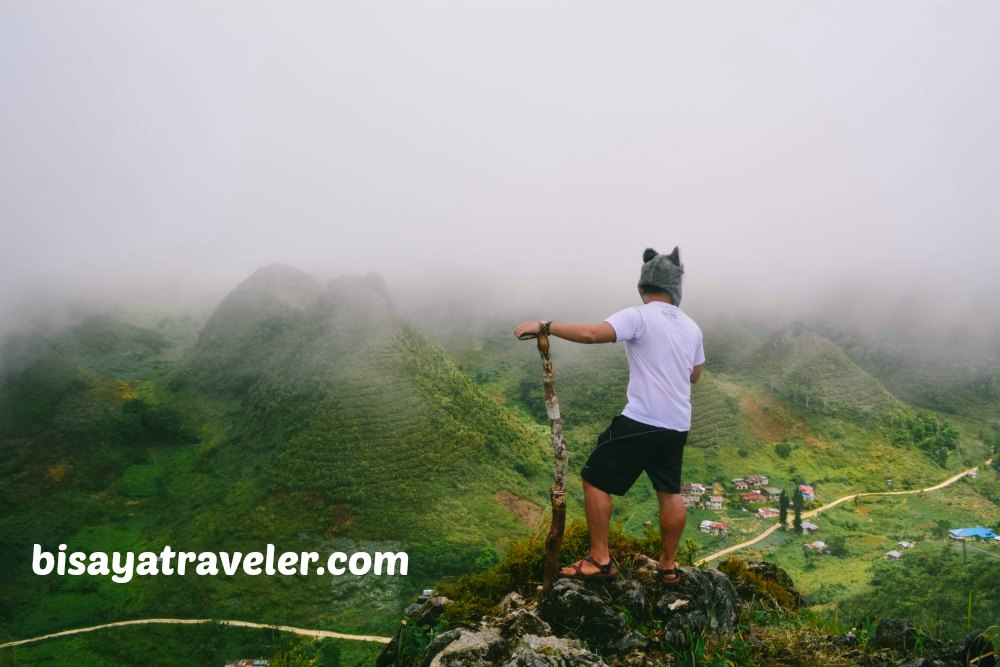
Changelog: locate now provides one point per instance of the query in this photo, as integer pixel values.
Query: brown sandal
(607, 571)
(676, 571)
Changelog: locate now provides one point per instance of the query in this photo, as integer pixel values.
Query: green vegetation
(937, 437)
(318, 419)
(797, 503)
(939, 589)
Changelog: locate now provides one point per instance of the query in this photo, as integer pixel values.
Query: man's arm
(696, 373)
(602, 332)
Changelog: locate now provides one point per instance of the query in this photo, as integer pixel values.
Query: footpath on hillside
(319, 634)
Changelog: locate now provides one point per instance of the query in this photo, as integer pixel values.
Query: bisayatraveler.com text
(122, 566)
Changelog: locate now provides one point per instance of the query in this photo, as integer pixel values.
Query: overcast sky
(788, 148)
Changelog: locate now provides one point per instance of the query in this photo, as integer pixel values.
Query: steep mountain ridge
(812, 373)
(240, 334)
(347, 405)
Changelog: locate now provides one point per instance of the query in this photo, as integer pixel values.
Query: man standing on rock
(665, 356)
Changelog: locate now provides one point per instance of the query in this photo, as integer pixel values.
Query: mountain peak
(368, 290)
(287, 283)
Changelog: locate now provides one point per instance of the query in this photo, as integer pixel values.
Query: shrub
(521, 568)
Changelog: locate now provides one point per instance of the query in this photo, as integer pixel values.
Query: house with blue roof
(978, 531)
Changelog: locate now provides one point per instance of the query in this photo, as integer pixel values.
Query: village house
(692, 488)
(741, 483)
(753, 497)
(714, 528)
(807, 492)
(978, 531)
(818, 546)
(904, 545)
(894, 555)
(809, 527)
(772, 492)
(689, 500)
(768, 513)
(715, 502)
(756, 480)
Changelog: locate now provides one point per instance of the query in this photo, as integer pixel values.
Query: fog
(506, 157)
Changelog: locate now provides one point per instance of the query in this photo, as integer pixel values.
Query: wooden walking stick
(553, 541)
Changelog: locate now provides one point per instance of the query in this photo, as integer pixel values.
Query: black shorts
(627, 448)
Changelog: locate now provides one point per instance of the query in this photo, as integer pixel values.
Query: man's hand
(696, 373)
(527, 329)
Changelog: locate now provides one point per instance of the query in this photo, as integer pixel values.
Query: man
(665, 356)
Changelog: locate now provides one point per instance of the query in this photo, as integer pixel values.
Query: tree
(487, 558)
(783, 508)
(837, 546)
(935, 436)
(797, 505)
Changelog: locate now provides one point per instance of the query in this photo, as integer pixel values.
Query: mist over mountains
(261, 263)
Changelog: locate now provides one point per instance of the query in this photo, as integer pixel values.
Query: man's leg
(597, 505)
(673, 516)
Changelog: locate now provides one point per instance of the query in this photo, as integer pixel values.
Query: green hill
(36, 378)
(250, 328)
(355, 415)
(310, 418)
(112, 347)
(811, 373)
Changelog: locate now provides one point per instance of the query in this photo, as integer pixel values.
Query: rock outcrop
(634, 620)
(579, 623)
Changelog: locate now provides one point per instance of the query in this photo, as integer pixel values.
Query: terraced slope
(359, 419)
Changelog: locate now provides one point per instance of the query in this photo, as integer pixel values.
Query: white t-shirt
(663, 345)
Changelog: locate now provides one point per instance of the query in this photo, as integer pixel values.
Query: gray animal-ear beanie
(663, 271)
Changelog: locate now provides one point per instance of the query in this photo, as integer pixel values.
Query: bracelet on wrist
(543, 327)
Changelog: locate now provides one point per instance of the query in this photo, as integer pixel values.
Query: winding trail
(812, 513)
(318, 634)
